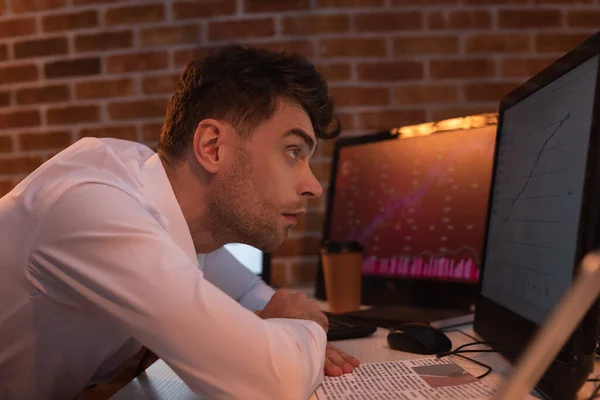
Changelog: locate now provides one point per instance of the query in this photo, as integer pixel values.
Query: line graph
(539, 154)
(537, 194)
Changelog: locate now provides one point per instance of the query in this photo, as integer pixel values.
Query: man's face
(265, 189)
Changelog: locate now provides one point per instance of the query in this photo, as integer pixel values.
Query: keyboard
(341, 328)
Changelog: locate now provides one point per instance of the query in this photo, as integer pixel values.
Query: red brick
(275, 5)
(5, 186)
(353, 47)
(502, 43)
(203, 8)
(278, 269)
(314, 220)
(183, 57)
(137, 109)
(321, 171)
(409, 45)
(390, 71)
(526, 19)
(492, 2)
(335, 71)
(294, 272)
(423, 94)
(463, 19)
(44, 140)
(135, 14)
(2, 7)
(20, 119)
(160, 83)
(325, 147)
(563, 1)
(3, 52)
(359, 96)
(104, 89)
(137, 62)
(558, 42)
(44, 94)
(238, 29)
(455, 112)
(19, 165)
(524, 67)
(72, 115)
(315, 24)
(170, 35)
(125, 132)
(6, 144)
(104, 41)
(298, 247)
(583, 19)
(488, 91)
(151, 132)
(4, 99)
(70, 21)
(301, 47)
(423, 2)
(41, 47)
(88, 2)
(346, 120)
(36, 5)
(459, 68)
(17, 27)
(349, 3)
(70, 68)
(18, 73)
(388, 21)
(387, 119)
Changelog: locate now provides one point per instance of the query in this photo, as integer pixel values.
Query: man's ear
(207, 142)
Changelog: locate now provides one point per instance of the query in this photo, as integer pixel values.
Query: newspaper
(425, 378)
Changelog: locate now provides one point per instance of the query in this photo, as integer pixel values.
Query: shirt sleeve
(223, 270)
(100, 249)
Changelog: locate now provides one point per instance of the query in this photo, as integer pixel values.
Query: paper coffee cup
(342, 270)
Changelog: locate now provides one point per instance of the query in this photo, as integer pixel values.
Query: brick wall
(74, 68)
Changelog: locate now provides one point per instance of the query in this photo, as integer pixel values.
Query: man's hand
(284, 304)
(337, 362)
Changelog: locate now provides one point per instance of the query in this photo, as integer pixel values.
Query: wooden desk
(159, 382)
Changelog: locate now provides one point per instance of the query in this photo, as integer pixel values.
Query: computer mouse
(418, 338)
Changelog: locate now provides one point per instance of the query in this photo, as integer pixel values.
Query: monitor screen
(251, 257)
(543, 144)
(417, 205)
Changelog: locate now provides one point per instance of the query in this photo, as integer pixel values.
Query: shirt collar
(157, 188)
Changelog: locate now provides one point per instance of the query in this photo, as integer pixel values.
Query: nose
(310, 187)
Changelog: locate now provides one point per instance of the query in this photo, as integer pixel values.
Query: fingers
(331, 369)
(338, 361)
(349, 359)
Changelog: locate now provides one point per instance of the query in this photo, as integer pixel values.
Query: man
(99, 245)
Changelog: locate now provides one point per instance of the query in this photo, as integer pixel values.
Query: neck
(190, 188)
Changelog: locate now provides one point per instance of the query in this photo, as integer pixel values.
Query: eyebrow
(312, 145)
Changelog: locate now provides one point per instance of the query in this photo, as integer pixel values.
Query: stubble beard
(237, 213)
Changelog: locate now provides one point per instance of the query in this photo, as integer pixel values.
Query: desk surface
(159, 382)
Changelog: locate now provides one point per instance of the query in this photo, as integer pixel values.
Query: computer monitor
(417, 204)
(252, 258)
(544, 212)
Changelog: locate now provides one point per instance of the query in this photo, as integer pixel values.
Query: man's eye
(294, 153)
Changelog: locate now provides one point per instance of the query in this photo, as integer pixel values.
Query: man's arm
(224, 271)
(100, 249)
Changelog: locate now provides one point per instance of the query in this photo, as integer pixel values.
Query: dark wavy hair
(241, 85)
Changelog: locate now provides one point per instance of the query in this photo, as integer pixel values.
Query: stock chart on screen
(417, 205)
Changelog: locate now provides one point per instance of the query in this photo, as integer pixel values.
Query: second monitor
(417, 203)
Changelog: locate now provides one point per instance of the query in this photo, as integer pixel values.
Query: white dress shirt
(96, 259)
